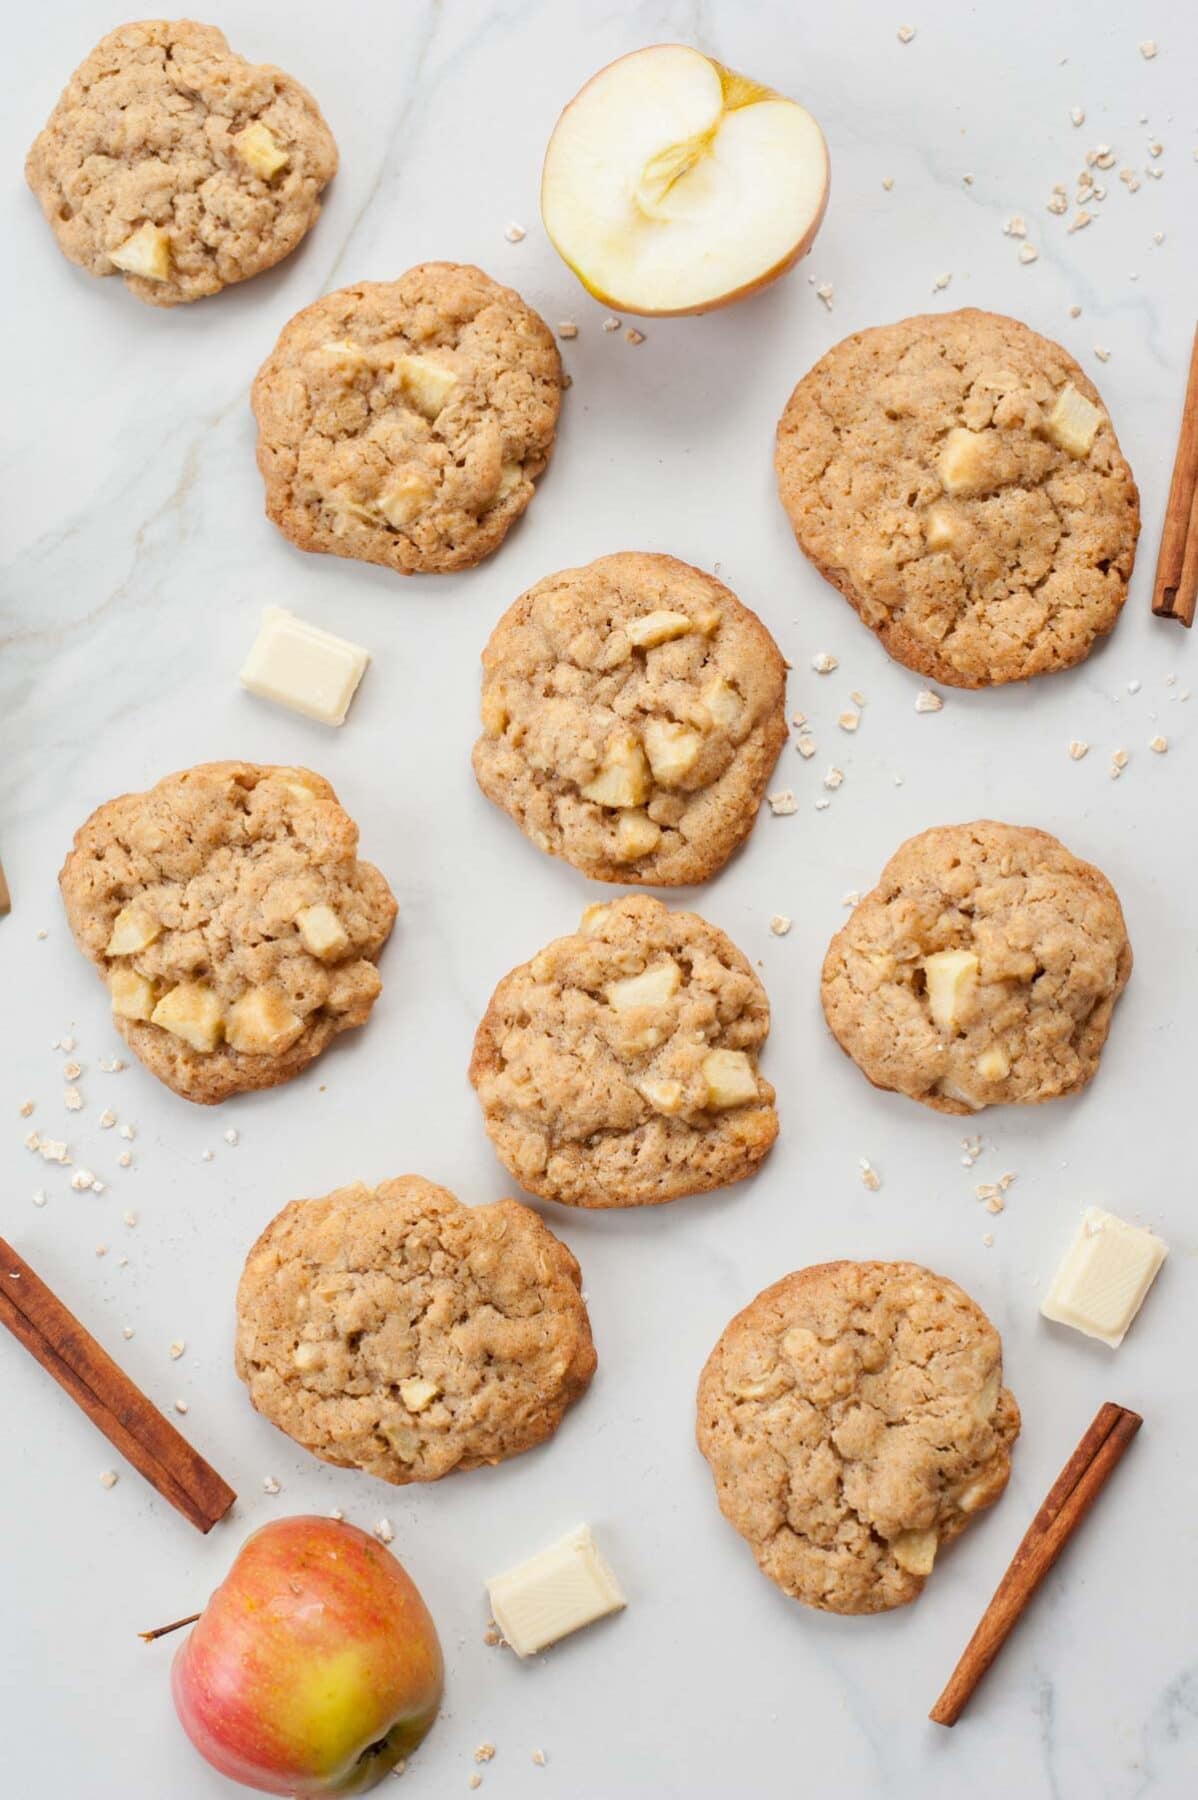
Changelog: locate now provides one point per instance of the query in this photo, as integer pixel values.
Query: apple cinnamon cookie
(228, 913)
(172, 161)
(394, 1330)
(405, 422)
(983, 969)
(620, 1066)
(957, 477)
(633, 711)
(855, 1420)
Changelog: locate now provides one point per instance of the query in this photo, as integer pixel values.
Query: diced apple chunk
(672, 749)
(260, 150)
(915, 1551)
(146, 253)
(262, 1024)
(964, 461)
(730, 1079)
(426, 384)
(663, 1096)
(1073, 422)
(510, 476)
(623, 779)
(722, 701)
(636, 835)
(994, 1064)
(192, 1012)
(405, 499)
(653, 987)
(418, 1394)
(322, 931)
(951, 977)
(131, 994)
(656, 628)
(942, 528)
(132, 929)
(593, 917)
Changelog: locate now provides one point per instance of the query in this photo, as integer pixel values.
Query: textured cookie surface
(957, 478)
(397, 1331)
(855, 1419)
(619, 1066)
(172, 160)
(632, 712)
(982, 969)
(405, 422)
(232, 921)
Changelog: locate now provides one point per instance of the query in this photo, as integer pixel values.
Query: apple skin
(316, 1648)
(746, 289)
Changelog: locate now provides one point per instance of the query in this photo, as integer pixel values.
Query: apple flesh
(315, 1666)
(673, 185)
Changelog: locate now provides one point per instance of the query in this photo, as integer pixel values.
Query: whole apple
(314, 1668)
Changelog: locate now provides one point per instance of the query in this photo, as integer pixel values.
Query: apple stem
(147, 1637)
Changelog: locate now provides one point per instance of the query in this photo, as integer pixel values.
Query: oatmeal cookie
(633, 711)
(405, 422)
(619, 1066)
(394, 1330)
(983, 969)
(854, 1419)
(957, 478)
(173, 161)
(228, 913)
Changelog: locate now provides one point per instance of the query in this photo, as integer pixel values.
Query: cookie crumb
(849, 721)
(782, 804)
(833, 778)
(73, 1100)
(988, 1239)
(633, 336)
(25, 1108)
(1159, 744)
(1148, 49)
(611, 323)
(484, 1753)
(514, 233)
(869, 1176)
(567, 329)
(475, 1781)
(1075, 312)
(124, 1160)
(1016, 226)
(538, 1756)
(384, 1531)
(823, 662)
(905, 33)
(81, 1180)
(1028, 253)
(270, 1483)
(780, 924)
(826, 293)
(231, 1136)
(928, 702)
(1119, 762)
(1078, 748)
(108, 1478)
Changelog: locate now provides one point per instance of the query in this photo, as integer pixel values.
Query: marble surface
(137, 563)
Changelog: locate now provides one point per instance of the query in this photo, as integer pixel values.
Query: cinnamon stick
(1175, 591)
(5, 898)
(1068, 1501)
(100, 1387)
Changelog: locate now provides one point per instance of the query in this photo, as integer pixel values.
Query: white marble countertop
(138, 560)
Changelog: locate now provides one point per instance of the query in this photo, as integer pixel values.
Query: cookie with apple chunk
(395, 1330)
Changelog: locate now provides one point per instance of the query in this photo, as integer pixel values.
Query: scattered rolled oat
(73, 1100)
(1077, 114)
(101, 1249)
(205, 1156)
(941, 282)
(849, 721)
(833, 778)
(611, 323)
(1080, 220)
(1075, 312)
(336, 1513)
(475, 1781)
(1119, 762)
(124, 1160)
(823, 662)
(126, 1332)
(1059, 200)
(1028, 253)
(130, 1219)
(1159, 744)
(851, 898)
(633, 336)
(384, 1531)
(25, 1108)
(1102, 354)
(823, 805)
(538, 1756)
(869, 1176)
(780, 924)
(181, 1406)
(906, 32)
(988, 1239)
(1148, 49)
(806, 747)
(177, 1349)
(928, 702)
(484, 1753)
(39, 1196)
(231, 1136)
(111, 1065)
(515, 233)
(107, 1119)
(72, 1071)
(567, 329)
(128, 1133)
(270, 1485)
(1016, 226)
(108, 1478)
(783, 803)
(1078, 748)
(826, 293)
(81, 1180)
(888, 182)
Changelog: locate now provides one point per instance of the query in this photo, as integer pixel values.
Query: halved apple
(673, 185)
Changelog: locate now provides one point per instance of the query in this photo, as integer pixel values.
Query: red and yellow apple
(315, 1666)
(673, 185)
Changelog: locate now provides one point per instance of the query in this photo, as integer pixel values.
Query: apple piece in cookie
(674, 185)
(315, 1667)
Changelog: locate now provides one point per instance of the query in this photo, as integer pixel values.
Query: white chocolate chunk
(132, 930)
(657, 628)
(417, 1394)
(260, 150)
(730, 1079)
(1104, 1276)
(964, 461)
(558, 1591)
(722, 701)
(663, 1096)
(191, 1011)
(405, 499)
(322, 931)
(426, 384)
(915, 1551)
(344, 355)
(262, 1024)
(308, 1356)
(302, 667)
(672, 749)
(623, 779)
(1073, 422)
(653, 987)
(636, 835)
(593, 917)
(941, 528)
(951, 977)
(131, 994)
(146, 253)
(994, 1064)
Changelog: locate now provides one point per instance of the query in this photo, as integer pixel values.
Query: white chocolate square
(300, 666)
(558, 1591)
(1106, 1272)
